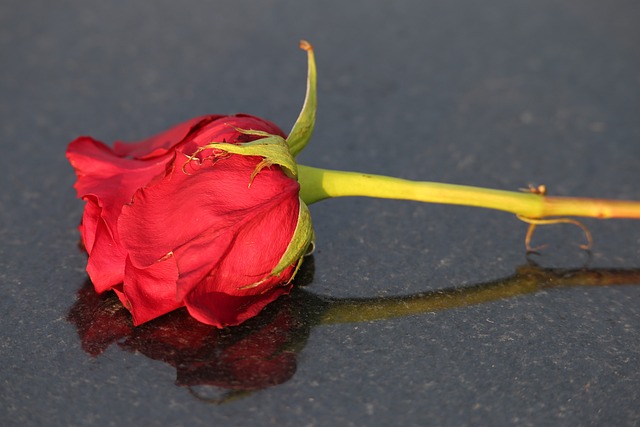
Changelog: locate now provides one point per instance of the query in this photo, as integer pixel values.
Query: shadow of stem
(528, 279)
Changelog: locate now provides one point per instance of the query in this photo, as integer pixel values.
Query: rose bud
(205, 215)
(173, 221)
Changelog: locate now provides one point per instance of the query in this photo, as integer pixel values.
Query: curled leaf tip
(303, 127)
(305, 45)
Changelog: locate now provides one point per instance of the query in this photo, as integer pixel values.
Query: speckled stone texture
(499, 93)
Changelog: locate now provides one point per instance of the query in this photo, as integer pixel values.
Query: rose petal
(161, 143)
(198, 217)
(106, 182)
(106, 259)
(258, 244)
(111, 179)
(221, 309)
(150, 292)
(228, 132)
(89, 223)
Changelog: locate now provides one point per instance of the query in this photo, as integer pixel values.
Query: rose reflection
(262, 352)
(258, 354)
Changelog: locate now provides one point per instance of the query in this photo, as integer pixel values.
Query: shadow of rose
(262, 352)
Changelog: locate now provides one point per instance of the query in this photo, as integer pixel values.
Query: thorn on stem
(540, 189)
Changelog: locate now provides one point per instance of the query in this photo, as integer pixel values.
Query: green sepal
(272, 148)
(303, 237)
(303, 127)
(302, 240)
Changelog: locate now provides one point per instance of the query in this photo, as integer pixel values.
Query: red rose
(197, 216)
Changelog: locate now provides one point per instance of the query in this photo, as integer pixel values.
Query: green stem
(319, 184)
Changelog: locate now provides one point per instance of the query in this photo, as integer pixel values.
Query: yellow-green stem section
(317, 184)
